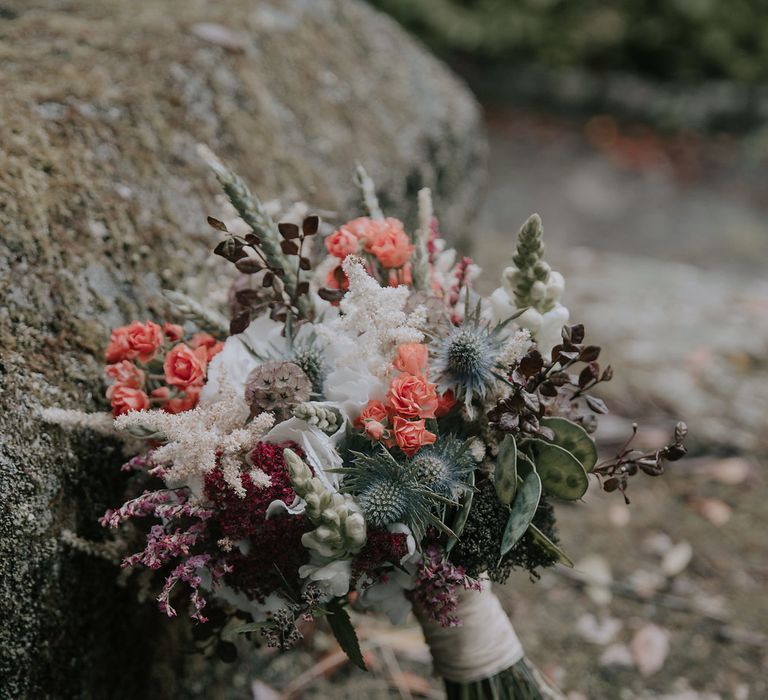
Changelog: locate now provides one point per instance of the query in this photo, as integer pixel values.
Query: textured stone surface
(103, 202)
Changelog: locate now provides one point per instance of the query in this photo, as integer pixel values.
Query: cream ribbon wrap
(483, 646)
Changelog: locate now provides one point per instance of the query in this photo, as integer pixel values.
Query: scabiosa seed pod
(277, 387)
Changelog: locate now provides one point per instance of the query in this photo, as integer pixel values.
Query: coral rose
(361, 228)
(389, 243)
(411, 358)
(375, 430)
(185, 402)
(173, 332)
(411, 435)
(125, 373)
(445, 403)
(137, 340)
(205, 340)
(374, 410)
(342, 243)
(126, 399)
(184, 366)
(162, 393)
(118, 348)
(412, 396)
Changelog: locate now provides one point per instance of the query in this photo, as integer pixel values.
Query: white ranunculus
(332, 578)
(350, 389)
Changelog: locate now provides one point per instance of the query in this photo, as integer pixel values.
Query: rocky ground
(664, 245)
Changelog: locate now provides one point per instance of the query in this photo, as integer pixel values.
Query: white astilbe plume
(373, 319)
(193, 439)
(80, 420)
(516, 347)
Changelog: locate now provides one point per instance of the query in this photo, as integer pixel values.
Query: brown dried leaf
(288, 231)
(230, 249)
(218, 225)
(239, 323)
(249, 266)
(590, 353)
(310, 225)
(714, 510)
(289, 247)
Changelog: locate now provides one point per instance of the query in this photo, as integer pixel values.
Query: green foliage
(561, 473)
(549, 546)
(523, 510)
(575, 439)
(478, 549)
(461, 517)
(505, 477)
(679, 40)
(345, 633)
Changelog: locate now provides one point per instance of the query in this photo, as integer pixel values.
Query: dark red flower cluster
(381, 548)
(275, 547)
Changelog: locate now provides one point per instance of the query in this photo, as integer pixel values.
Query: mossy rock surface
(103, 201)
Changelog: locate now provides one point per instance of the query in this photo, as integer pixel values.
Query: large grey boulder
(103, 201)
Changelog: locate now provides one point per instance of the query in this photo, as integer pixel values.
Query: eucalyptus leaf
(345, 634)
(523, 510)
(505, 477)
(545, 543)
(575, 439)
(524, 466)
(561, 473)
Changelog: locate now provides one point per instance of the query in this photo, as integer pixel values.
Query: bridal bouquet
(372, 435)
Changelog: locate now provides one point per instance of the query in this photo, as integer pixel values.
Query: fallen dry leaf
(731, 471)
(598, 631)
(616, 655)
(597, 574)
(649, 647)
(220, 35)
(713, 509)
(619, 514)
(676, 559)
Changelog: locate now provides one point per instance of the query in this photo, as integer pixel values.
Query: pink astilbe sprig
(437, 587)
(138, 507)
(162, 546)
(187, 572)
(139, 463)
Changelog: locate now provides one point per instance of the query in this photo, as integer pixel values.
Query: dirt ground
(664, 243)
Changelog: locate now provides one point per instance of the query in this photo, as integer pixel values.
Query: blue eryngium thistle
(389, 492)
(444, 467)
(466, 360)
